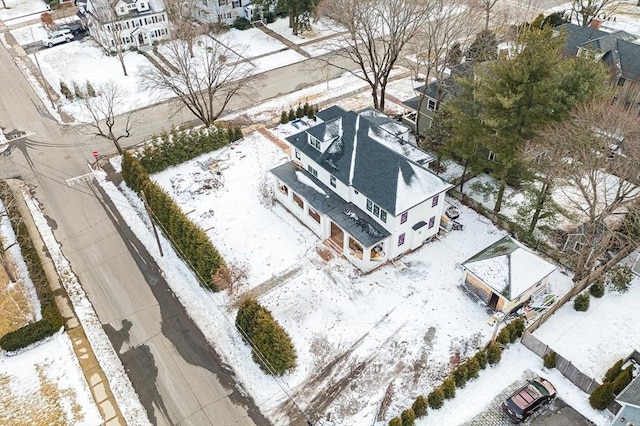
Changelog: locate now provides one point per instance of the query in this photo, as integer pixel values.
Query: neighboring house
(506, 274)
(433, 93)
(629, 399)
(137, 23)
(356, 183)
(618, 50)
(223, 11)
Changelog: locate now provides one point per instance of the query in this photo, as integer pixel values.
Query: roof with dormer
(363, 157)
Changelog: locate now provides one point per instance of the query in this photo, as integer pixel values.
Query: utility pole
(153, 224)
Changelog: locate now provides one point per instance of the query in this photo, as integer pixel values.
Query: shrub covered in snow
(581, 302)
(619, 278)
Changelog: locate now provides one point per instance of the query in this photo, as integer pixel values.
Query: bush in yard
(602, 396)
(622, 380)
(284, 119)
(299, 112)
(613, 372)
(78, 91)
(272, 347)
(408, 417)
(436, 398)
(311, 114)
(64, 89)
(581, 302)
(238, 134)
(481, 357)
(292, 115)
(504, 336)
(305, 108)
(597, 289)
(618, 278)
(460, 376)
(241, 23)
(270, 17)
(494, 353)
(420, 406)
(516, 329)
(550, 360)
(449, 388)
(396, 421)
(473, 368)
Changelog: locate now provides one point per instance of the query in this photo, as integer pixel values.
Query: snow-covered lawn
(595, 339)
(82, 61)
(392, 326)
(323, 28)
(44, 385)
(250, 43)
(20, 8)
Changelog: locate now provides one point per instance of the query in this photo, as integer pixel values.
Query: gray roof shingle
(362, 158)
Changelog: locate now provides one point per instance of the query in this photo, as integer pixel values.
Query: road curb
(93, 373)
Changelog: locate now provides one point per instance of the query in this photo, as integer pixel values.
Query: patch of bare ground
(15, 307)
(42, 403)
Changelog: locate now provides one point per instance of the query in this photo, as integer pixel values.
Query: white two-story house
(137, 23)
(351, 182)
(223, 11)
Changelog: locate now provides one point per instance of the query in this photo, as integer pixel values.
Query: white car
(57, 37)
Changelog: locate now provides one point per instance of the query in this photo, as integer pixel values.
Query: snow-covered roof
(508, 267)
(371, 159)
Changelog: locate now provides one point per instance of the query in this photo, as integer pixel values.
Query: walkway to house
(291, 45)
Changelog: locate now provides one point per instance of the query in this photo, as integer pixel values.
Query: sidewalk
(93, 373)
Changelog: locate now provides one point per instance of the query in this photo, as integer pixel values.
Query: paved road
(175, 372)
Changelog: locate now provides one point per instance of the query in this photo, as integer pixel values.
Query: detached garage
(506, 274)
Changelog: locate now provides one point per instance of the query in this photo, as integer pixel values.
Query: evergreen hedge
(396, 421)
(436, 398)
(494, 353)
(51, 320)
(622, 380)
(273, 350)
(171, 149)
(613, 372)
(190, 241)
(449, 388)
(581, 302)
(597, 289)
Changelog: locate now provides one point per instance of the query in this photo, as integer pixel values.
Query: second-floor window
(431, 105)
(432, 222)
(313, 171)
(376, 210)
(400, 239)
(492, 156)
(332, 181)
(434, 201)
(297, 154)
(404, 217)
(314, 142)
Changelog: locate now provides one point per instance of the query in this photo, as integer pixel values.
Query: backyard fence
(564, 366)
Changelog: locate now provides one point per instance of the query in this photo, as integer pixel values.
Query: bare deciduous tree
(102, 111)
(110, 33)
(183, 26)
(595, 159)
(585, 11)
(377, 31)
(205, 83)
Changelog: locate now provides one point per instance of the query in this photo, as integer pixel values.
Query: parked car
(57, 37)
(75, 28)
(529, 399)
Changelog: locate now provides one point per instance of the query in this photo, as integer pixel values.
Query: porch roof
(346, 215)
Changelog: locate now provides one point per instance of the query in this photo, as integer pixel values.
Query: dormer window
(314, 142)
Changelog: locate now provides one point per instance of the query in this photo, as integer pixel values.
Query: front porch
(342, 226)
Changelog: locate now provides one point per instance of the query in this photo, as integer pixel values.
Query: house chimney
(595, 23)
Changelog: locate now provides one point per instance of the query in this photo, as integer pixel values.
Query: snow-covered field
(323, 28)
(21, 8)
(44, 385)
(390, 326)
